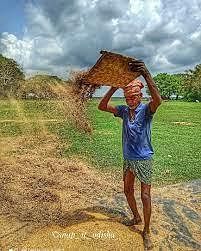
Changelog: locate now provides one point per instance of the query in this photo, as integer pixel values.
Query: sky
(55, 37)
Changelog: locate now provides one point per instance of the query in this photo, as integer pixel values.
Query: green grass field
(176, 134)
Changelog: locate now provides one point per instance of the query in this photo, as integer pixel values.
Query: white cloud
(63, 34)
(17, 49)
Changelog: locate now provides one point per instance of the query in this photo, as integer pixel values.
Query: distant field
(176, 134)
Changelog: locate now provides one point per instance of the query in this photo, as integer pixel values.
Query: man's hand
(139, 66)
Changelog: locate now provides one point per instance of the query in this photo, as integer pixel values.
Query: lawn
(176, 134)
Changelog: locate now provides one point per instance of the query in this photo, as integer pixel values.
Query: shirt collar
(137, 108)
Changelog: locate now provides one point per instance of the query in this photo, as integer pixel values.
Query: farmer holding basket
(136, 140)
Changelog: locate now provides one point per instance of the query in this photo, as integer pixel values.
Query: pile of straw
(38, 185)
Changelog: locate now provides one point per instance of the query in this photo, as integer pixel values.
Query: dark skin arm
(103, 105)
(139, 66)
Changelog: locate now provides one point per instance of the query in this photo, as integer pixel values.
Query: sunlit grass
(176, 133)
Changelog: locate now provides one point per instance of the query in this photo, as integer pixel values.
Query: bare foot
(134, 221)
(147, 240)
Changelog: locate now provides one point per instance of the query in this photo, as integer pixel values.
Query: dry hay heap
(38, 185)
(68, 100)
(52, 87)
(40, 87)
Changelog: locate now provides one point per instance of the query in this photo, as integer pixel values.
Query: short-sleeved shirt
(136, 134)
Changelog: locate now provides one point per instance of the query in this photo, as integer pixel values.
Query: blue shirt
(136, 135)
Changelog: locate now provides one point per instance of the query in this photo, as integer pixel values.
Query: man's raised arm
(139, 66)
(103, 105)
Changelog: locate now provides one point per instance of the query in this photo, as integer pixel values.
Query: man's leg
(146, 201)
(129, 179)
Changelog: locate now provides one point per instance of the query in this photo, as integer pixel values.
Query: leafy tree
(192, 84)
(169, 84)
(177, 82)
(10, 76)
(162, 81)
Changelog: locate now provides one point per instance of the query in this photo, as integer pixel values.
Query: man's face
(133, 101)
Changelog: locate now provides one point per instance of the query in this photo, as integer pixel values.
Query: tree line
(186, 86)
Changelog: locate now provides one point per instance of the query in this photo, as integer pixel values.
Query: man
(136, 140)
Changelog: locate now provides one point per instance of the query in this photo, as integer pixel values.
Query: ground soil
(47, 201)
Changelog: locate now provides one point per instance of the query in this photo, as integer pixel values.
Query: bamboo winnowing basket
(110, 69)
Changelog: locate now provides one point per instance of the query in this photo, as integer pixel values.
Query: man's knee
(145, 196)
